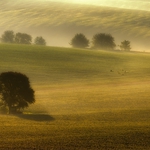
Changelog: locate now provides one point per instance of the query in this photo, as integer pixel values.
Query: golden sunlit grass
(84, 99)
(110, 130)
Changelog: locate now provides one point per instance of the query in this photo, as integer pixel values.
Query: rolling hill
(66, 69)
(58, 22)
(85, 99)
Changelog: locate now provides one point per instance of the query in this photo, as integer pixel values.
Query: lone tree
(125, 46)
(16, 92)
(79, 41)
(39, 41)
(23, 38)
(8, 37)
(103, 41)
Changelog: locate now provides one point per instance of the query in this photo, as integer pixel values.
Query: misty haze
(74, 74)
(57, 22)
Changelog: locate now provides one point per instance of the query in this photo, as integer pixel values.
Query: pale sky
(129, 4)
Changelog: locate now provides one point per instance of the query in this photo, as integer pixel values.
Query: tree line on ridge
(20, 38)
(99, 41)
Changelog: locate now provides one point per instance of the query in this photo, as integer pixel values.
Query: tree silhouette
(23, 38)
(79, 41)
(8, 36)
(39, 41)
(15, 91)
(125, 45)
(103, 41)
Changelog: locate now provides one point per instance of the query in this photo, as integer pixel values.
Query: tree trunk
(12, 109)
(9, 109)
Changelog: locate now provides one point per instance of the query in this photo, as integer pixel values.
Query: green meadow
(85, 99)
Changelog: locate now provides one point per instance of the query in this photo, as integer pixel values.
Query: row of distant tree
(20, 38)
(99, 41)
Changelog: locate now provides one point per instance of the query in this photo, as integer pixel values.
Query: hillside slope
(62, 76)
(85, 99)
(58, 22)
(68, 64)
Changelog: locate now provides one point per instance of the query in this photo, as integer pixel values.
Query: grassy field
(85, 99)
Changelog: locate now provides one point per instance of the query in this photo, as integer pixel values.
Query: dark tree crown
(103, 41)
(8, 37)
(15, 90)
(79, 41)
(39, 41)
(23, 38)
(125, 45)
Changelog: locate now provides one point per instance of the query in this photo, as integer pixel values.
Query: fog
(58, 22)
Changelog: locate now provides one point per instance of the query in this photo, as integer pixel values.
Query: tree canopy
(8, 36)
(79, 41)
(23, 38)
(103, 41)
(39, 41)
(125, 45)
(16, 92)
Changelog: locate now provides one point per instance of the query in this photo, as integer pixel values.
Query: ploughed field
(85, 99)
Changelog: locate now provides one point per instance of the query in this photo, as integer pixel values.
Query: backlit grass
(85, 99)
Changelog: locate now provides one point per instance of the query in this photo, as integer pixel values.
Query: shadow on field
(36, 117)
